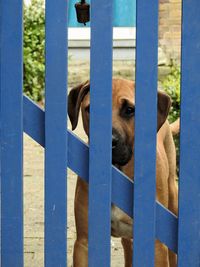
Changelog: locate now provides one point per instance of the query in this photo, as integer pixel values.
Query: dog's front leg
(80, 256)
(128, 251)
(161, 257)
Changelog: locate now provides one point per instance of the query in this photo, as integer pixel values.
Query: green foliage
(34, 59)
(171, 86)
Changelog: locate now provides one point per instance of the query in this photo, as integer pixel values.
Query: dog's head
(123, 111)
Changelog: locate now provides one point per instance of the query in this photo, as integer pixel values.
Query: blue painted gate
(62, 148)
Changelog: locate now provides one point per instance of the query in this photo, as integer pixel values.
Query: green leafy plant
(171, 86)
(34, 55)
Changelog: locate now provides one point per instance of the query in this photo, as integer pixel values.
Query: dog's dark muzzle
(121, 151)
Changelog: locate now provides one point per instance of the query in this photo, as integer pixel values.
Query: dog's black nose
(114, 141)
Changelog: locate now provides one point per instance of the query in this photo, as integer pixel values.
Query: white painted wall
(123, 43)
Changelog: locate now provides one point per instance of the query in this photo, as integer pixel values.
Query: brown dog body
(123, 158)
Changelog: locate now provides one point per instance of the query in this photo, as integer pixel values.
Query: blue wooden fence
(55, 133)
(11, 133)
(145, 137)
(100, 123)
(63, 148)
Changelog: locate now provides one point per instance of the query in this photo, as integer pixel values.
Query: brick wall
(170, 27)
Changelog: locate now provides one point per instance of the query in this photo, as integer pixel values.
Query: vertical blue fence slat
(55, 134)
(100, 134)
(145, 133)
(189, 194)
(11, 133)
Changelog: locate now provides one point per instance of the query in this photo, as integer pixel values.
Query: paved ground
(34, 209)
(34, 183)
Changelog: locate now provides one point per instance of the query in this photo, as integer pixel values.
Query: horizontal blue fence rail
(78, 161)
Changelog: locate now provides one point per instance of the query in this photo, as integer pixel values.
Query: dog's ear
(164, 104)
(75, 98)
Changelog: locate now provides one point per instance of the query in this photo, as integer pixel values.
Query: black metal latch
(82, 12)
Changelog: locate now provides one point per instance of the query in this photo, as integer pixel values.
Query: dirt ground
(34, 183)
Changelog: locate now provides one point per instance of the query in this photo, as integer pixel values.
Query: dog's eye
(129, 111)
(87, 109)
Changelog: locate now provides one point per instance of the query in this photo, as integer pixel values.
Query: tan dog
(122, 153)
